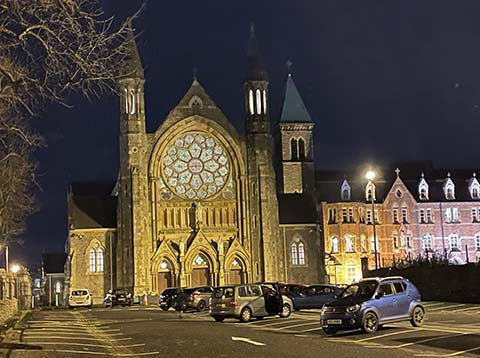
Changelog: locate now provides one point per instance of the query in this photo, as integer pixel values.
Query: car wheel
(329, 331)
(286, 310)
(370, 322)
(201, 305)
(418, 315)
(218, 318)
(245, 315)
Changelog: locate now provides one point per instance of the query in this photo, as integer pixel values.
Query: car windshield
(219, 292)
(364, 289)
(169, 292)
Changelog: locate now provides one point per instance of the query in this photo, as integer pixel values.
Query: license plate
(163, 303)
(334, 321)
(221, 305)
(121, 299)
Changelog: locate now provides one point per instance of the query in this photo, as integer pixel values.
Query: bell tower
(132, 189)
(297, 174)
(264, 222)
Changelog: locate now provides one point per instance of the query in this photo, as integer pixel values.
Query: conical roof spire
(293, 108)
(256, 71)
(132, 66)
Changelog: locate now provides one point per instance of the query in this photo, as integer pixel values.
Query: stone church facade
(196, 202)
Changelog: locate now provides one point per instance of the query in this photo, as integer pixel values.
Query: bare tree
(48, 50)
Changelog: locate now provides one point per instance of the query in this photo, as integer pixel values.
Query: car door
(257, 301)
(323, 294)
(384, 301)
(401, 305)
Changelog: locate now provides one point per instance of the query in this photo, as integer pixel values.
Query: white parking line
(311, 330)
(295, 325)
(449, 354)
(248, 340)
(445, 307)
(79, 338)
(467, 309)
(276, 323)
(417, 342)
(384, 335)
(430, 304)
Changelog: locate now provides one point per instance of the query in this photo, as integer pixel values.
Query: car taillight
(234, 303)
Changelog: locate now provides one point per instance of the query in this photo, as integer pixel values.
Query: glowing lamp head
(370, 175)
(15, 268)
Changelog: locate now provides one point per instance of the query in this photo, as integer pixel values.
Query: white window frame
(334, 247)
(454, 242)
(349, 244)
(92, 257)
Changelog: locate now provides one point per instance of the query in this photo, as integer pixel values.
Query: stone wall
(15, 293)
(455, 283)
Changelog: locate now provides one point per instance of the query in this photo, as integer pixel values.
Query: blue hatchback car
(372, 302)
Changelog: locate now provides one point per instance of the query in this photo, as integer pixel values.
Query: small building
(53, 291)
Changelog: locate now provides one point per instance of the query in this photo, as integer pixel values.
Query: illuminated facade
(423, 213)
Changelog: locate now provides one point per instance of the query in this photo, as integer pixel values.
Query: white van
(80, 298)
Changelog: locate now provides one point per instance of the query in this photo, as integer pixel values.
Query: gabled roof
(296, 209)
(329, 182)
(91, 206)
(293, 108)
(54, 262)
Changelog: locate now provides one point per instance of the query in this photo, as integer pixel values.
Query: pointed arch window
(258, 101)
(100, 260)
(297, 251)
(264, 101)
(370, 191)
(92, 260)
(251, 106)
(301, 149)
(293, 149)
(132, 101)
(334, 249)
(349, 244)
(125, 100)
(346, 191)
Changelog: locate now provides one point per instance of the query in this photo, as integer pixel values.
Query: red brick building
(420, 212)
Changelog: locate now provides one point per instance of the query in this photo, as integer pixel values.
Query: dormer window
(423, 189)
(345, 191)
(370, 191)
(474, 187)
(449, 188)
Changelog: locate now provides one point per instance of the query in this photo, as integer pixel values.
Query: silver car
(247, 301)
(198, 297)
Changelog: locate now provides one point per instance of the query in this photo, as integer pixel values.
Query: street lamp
(15, 268)
(370, 175)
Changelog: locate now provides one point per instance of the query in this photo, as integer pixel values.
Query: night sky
(382, 80)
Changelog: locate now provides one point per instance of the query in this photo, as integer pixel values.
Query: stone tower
(295, 144)
(264, 222)
(132, 246)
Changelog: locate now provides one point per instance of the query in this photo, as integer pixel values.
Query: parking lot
(450, 330)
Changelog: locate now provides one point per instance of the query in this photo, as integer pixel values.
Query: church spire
(132, 66)
(293, 108)
(256, 71)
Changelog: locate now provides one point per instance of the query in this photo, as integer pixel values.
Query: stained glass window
(195, 166)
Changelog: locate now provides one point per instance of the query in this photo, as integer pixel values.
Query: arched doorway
(200, 271)
(236, 272)
(165, 276)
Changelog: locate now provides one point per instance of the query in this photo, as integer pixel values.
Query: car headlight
(354, 308)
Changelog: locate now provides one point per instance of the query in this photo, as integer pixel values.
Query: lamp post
(370, 175)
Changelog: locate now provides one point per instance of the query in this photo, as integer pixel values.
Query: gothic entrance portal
(236, 272)
(200, 272)
(165, 276)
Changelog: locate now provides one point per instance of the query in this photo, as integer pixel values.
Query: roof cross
(397, 171)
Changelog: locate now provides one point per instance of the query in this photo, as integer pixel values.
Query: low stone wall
(15, 293)
(455, 283)
(8, 308)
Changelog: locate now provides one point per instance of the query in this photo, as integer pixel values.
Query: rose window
(195, 166)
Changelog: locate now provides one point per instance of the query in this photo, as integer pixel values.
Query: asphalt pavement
(450, 330)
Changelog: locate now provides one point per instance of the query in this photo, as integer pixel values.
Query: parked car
(80, 298)
(118, 297)
(313, 296)
(247, 301)
(198, 297)
(372, 302)
(168, 297)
